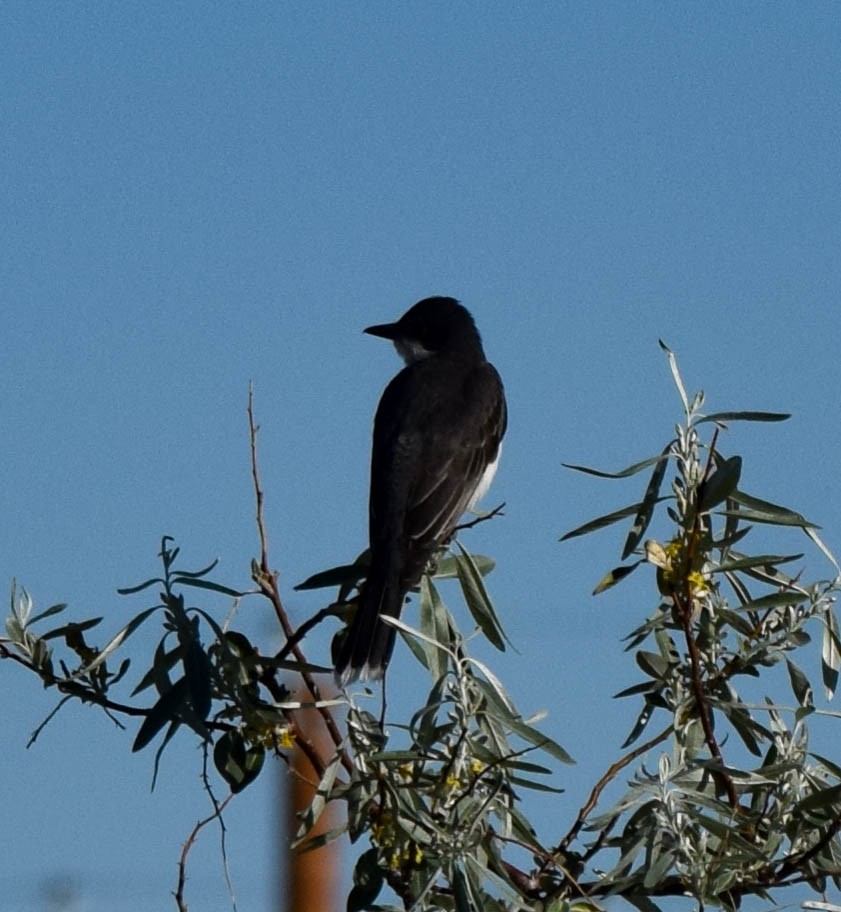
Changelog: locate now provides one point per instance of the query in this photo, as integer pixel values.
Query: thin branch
(683, 605)
(704, 713)
(258, 488)
(223, 834)
(50, 716)
(483, 517)
(612, 772)
(266, 579)
(185, 851)
(303, 630)
(795, 863)
(73, 688)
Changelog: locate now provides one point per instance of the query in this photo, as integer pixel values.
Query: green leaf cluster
(726, 811)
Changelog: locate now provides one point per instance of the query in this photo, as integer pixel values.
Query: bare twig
(266, 579)
(185, 851)
(303, 630)
(483, 517)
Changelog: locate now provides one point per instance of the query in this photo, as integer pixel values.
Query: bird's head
(432, 325)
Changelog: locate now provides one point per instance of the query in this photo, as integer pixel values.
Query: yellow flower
(673, 549)
(381, 831)
(285, 738)
(697, 584)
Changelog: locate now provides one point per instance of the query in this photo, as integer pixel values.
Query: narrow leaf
(72, 629)
(821, 800)
(335, 576)
(368, 880)
(412, 632)
(827, 553)
(744, 725)
(322, 795)
(319, 840)
(830, 654)
(197, 670)
(614, 576)
(538, 739)
(657, 870)
(435, 623)
(653, 664)
(170, 734)
(535, 786)
(639, 726)
(721, 484)
(461, 893)
(494, 685)
(646, 509)
(721, 417)
(757, 510)
(634, 689)
(209, 585)
(478, 601)
(741, 562)
(624, 473)
(800, 685)
(132, 590)
(116, 641)
(53, 609)
(447, 567)
(775, 600)
(162, 663)
(164, 711)
(602, 521)
(676, 376)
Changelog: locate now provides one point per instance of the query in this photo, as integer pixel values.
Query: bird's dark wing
(432, 455)
(431, 450)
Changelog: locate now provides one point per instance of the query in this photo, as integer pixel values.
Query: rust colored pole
(308, 881)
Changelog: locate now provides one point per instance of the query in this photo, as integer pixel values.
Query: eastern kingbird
(437, 437)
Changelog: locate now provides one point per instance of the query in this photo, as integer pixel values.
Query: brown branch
(611, 773)
(685, 612)
(683, 604)
(185, 851)
(303, 630)
(482, 517)
(795, 863)
(73, 688)
(266, 579)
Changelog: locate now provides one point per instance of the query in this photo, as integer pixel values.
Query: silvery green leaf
(623, 473)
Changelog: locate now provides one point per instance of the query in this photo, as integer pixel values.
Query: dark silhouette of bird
(437, 436)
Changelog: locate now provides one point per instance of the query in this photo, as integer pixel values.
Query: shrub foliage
(724, 797)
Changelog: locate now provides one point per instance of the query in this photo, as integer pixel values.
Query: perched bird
(437, 437)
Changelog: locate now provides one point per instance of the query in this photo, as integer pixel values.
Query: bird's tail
(369, 643)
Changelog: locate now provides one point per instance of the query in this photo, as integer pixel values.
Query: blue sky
(195, 196)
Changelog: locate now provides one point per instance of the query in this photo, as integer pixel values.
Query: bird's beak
(383, 330)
